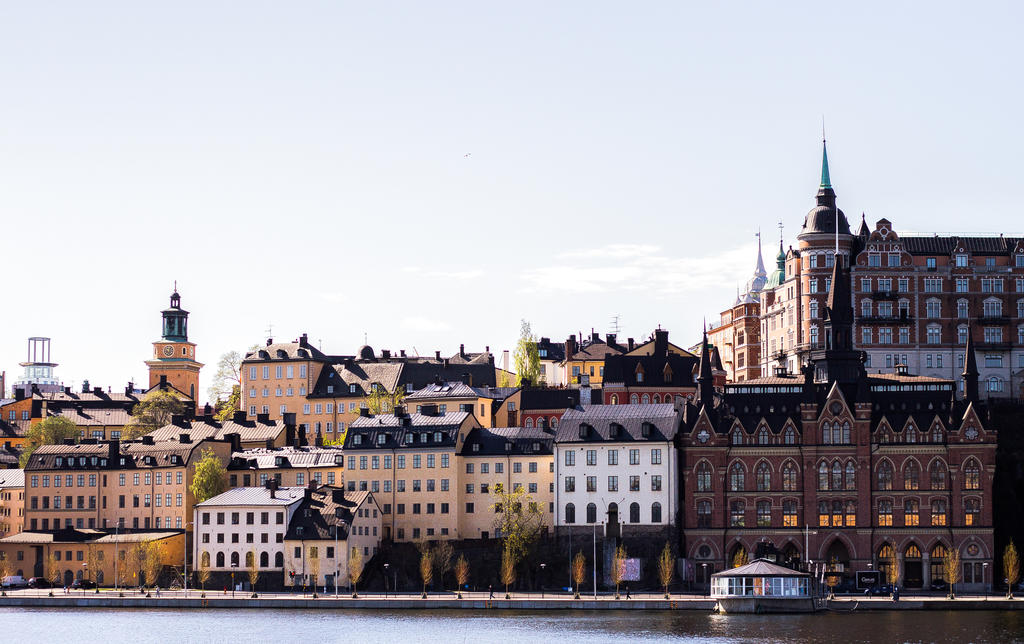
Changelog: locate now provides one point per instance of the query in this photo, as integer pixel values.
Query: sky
(303, 166)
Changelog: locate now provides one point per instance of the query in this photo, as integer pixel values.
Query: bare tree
(204, 571)
(1011, 568)
(579, 571)
(314, 567)
(52, 568)
(426, 570)
(951, 567)
(5, 570)
(355, 568)
(461, 573)
(443, 554)
(254, 569)
(666, 568)
(618, 567)
(508, 569)
(152, 561)
(92, 561)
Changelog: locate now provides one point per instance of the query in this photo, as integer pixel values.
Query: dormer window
(423, 437)
(382, 438)
(93, 461)
(122, 460)
(508, 446)
(613, 430)
(584, 430)
(476, 447)
(357, 439)
(81, 461)
(408, 439)
(330, 389)
(103, 462)
(351, 389)
(645, 430)
(535, 447)
(60, 461)
(961, 260)
(437, 437)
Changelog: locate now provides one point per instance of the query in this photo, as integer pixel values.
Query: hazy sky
(302, 163)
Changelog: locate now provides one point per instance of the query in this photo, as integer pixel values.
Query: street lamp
(984, 578)
(707, 586)
(85, 575)
(386, 566)
(185, 550)
(542, 567)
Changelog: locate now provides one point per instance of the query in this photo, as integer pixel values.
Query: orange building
(174, 357)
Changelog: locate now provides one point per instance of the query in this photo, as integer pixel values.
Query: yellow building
(12, 502)
(514, 458)
(483, 402)
(584, 362)
(409, 463)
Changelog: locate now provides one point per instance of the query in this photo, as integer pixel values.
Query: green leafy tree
(518, 520)
(526, 356)
(50, 431)
(380, 401)
(210, 478)
(153, 412)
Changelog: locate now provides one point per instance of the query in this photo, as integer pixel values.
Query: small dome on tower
(366, 352)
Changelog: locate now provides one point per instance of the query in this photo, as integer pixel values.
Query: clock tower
(174, 357)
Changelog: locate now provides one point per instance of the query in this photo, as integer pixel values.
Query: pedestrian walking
(490, 588)
(627, 592)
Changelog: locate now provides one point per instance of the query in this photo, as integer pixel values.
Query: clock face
(971, 433)
(168, 350)
(703, 436)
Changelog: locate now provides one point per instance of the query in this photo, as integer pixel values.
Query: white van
(13, 581)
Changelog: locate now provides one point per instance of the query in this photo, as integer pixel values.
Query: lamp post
(85, 575)
(185, 575)
(337, 561)
(707, 584)
(984, 578)
(234, 566)
(386, 566)
(117, 527)
(542, 567)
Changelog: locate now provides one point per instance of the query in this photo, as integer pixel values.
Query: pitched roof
(505, 441)
(936, 245)
(95, 417)
(619, 423)
(256, 496)
(12, 478)
(364, 432)
(250, 431)
(327, 508)
(537, 398)
(286, 351)
(761, 568)
(262, 458)
(460, 390)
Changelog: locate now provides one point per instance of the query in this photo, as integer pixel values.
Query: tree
(253, 565)
(527, 357)
(1011, 568)
(134, 561)
(579, 571)
(618, 567)
(210, 478)
(519, 520)
(461, 573)
(426, 570)
(892, 572)
(508, 569)
(951, 568)
(227, 384)
(381, 402)
(151, 413)
(666, 568)
(443, 553)
(5, 570)
(355, 568)
(740, 559)
(152, 553)
(314, 567)
(92, 561)
(52, 568)
(50, 431)
(204, 571)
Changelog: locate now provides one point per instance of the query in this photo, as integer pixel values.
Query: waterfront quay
(195, 599)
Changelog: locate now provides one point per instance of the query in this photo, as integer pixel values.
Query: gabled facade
(653, 374)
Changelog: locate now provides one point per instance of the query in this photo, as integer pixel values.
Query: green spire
(825, 181)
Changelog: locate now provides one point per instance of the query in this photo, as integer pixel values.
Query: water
(452, 627)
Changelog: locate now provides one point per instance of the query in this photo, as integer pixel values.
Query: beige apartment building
(509, 458)
(138, 485)
(12, 502)
(409, 463)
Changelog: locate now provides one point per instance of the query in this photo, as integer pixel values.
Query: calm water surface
(450, 627)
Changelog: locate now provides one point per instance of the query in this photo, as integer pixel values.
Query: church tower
(174, 357)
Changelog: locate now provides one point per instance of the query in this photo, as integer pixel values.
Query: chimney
(364, 412)
(300, 436)
(85, 386)
(238, 416)
(338, 495)
(272, 486)
(67, 391)
(270, 341)
(595, 337)
(630, 344)
(208, 411)
(148, 440)
(570, 346)
(178, 419)
(35, 389)
(437, 356)
(235, 439)
(263, 419)
(319, 441)
(184, 438)
(129, 389)
(289, 435)
(385, 353)
(399, 411)
(428, 410)
(444, 363)
(19, 393)
(113, 451)
(69, 441)
(307, 493)
(610, 338)
(303, 340)
(467, 379)
(462, 351)
(288, 418)
(504, 360)
(660, 343)
(401, 352)
(570, 402)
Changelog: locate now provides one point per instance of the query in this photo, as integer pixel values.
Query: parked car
(13, 581)
(939, 584)
(39, 582)
(881, 589)
(82, 584)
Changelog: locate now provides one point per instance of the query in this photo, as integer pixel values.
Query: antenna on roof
(616, 328)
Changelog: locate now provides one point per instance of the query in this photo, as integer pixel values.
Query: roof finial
(826, 182)
(175, 286)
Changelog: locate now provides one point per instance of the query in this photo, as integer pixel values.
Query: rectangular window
(613, 457)
(570, 458)
(591, 457)
(591, 484)
(656, 456)
(613, 484)
(634, 483)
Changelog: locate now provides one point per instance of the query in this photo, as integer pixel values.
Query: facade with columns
(840, 467)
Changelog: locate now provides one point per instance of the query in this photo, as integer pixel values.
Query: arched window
(704, 514)
(736, 476)
(570, 513)
(962, 310)
(851, 476)
(911, 434)
(939, 512)
(615, 399)
(938, 559)
(737, 514)
(972, 475)
(911, 512)
(937, 475)
(764, 514)
(591, 513)
(936, 434)
(634, 512)
(655, 512)
(823, 476)
(645, 399)
(704, 477)
(886, 560)
(204, 560)
(972, 512)
(234, 558)
(837, 476)
(737, 436)
(529, 423)
(885, 512)
(220, 559)
(553, 422)
(846, 433)
(911, 476)
(995, 383)
(885, 476)
(279, 560)
(789, 436)
(248, 559)
(657, 398)
(634, 399)
(789, 518)
(826, 432)
(851, 514)
(264, 559)
(789, 477)
(764, 477)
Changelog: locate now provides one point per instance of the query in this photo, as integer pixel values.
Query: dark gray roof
(618, 423)
(506, 441)
(364, 431)
(936, 245)
(327, 509)
(286, 351)
(460, 390)
(250, 431)
(260, 459)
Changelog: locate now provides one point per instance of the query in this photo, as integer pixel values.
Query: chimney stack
(303, 340)
(437, 356)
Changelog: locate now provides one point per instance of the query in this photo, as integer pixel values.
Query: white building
(230, 526)
(615, 465)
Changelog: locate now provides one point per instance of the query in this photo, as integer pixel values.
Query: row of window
(838, 513)
(71, 480)
(81, 522)
(613, 483)
(613, 457)
(399, 485)
(933, 335)
(280, 371)
(634, 513)
(375, 462)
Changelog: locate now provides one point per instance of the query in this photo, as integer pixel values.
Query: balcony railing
(891, 319)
